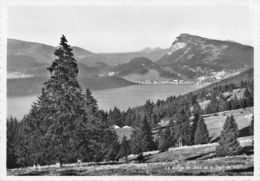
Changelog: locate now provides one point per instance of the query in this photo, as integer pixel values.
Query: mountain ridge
(189, 57)
(194, 56)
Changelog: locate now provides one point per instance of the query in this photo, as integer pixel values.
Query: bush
(140, 158)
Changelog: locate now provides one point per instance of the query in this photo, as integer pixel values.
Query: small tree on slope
(228, 143)
(124, 149)
(147, 142)
(201, 134)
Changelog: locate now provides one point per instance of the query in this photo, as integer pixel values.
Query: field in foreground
(189, 160)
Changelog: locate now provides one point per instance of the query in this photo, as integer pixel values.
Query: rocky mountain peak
(181, 42)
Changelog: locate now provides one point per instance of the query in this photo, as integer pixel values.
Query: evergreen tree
(103, 116)
(128, 117)
(223, 104)
(170, 133)
(164, 141)
(201, 134)
(147, 139)
(228, 143)
(135, 142)
(124, 149)
(91, 102)
(154, 119)
(246, 93)
(32, 136)
(248, 98)
(115, 117)
(12, 139)
(196, 111)
(142, 139)
(234, 103)
(113, 148)
(183, 129)
(63, 125)
(71, 111)
(148, 109)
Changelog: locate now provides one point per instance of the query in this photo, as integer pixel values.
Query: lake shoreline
(123, 97)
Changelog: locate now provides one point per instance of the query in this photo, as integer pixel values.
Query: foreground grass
(191, 160)
(236, 165)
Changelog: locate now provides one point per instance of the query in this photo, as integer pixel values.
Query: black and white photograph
(130, 89)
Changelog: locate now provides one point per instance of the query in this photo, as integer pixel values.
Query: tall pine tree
(142, 139)
(147, 139)
(64, 125)
(183, 128)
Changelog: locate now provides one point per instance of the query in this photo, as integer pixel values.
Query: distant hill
(44, 54)
(142, 66)
(193, 56)
(33, 85)
(246, 76)
(28, 65)
(41, 53)
(120, 58)
(139, 65)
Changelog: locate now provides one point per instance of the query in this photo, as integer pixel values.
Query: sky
(126, 28)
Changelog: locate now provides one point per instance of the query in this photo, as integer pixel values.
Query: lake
(123, 97)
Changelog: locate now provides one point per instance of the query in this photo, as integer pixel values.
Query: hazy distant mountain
(121, 58)
(193, 56)
(189, 57)
(43, 54)
(149, 49)
(22, 52)
(27, 65)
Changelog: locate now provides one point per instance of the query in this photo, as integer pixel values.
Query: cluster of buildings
(14, 75)
(175, 81)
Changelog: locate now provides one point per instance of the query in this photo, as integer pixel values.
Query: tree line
(166, 109)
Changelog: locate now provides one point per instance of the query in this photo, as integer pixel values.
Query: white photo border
(255, 20)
